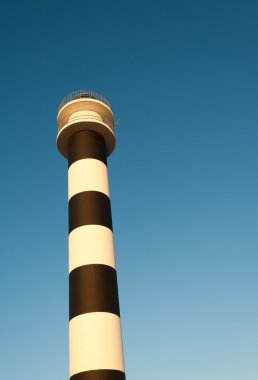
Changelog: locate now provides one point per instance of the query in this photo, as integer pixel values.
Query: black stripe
(89, 207)
(86, 144)
(100, 374)
(93, 288)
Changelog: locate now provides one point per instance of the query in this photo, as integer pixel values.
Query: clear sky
(182, 79)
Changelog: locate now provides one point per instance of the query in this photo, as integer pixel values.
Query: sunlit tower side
(86, 137)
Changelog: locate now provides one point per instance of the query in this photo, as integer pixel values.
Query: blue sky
(182, 79)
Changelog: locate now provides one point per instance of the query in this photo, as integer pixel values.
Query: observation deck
(85, 110)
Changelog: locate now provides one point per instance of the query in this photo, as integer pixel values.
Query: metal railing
(80, 94)
(71, 117)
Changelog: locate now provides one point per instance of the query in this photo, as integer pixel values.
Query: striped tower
(85, 136)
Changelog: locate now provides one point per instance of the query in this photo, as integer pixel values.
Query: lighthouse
(86, 138)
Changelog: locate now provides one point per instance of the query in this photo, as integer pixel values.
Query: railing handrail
(80, 94)
(73, 116)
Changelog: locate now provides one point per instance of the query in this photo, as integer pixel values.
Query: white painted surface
(84, 114)
(95, 343)
(91, 244)
(87, 174)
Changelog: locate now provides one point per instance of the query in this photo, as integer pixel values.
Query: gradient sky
(182, 79)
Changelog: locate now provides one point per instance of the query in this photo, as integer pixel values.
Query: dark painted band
(100, 374)
(89, 207)
(93, 288)
(86, 144)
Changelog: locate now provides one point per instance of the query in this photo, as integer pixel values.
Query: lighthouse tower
(86, 137)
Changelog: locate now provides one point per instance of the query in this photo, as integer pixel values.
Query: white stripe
(95, 343)
(86, 175)
(91, 244)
